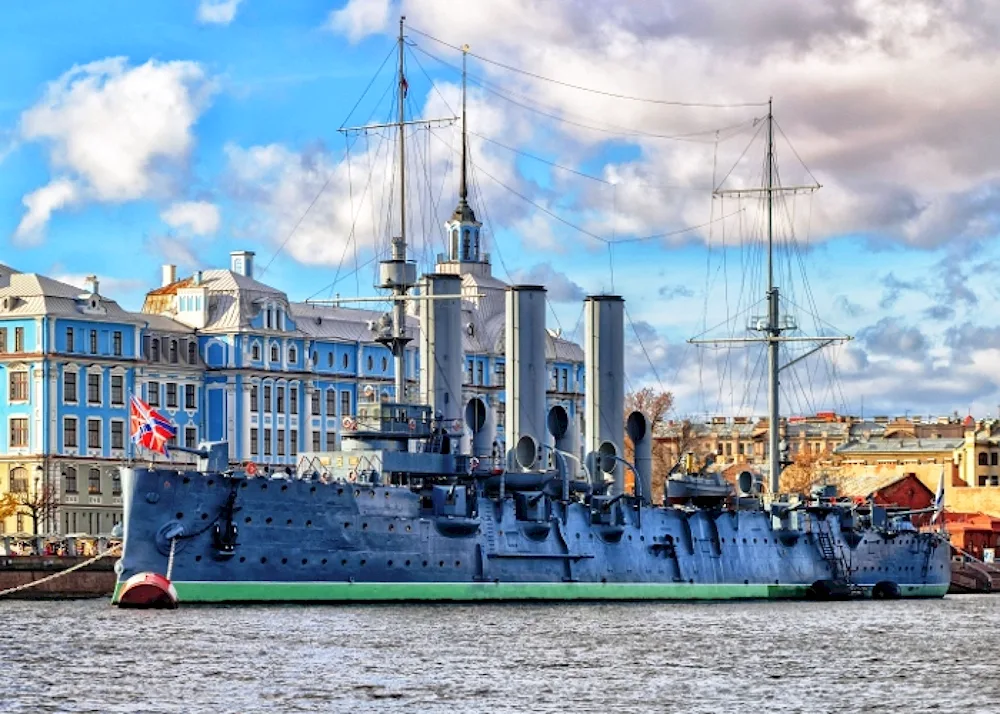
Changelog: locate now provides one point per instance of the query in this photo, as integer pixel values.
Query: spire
(463, 189)
(464, 212)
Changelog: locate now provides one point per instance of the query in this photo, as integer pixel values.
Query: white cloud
(40, 204)
(895, 163)
(321, 202)
(118, 133)
(217, 12)
(360, 18)
(196, 217)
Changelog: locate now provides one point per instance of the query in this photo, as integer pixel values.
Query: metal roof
(38, 296)
(915, 446)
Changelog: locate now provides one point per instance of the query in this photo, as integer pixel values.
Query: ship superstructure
(411, 507)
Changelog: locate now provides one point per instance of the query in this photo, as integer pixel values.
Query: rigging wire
(614, 95)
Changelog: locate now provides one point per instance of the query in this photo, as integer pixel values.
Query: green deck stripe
(217, 592)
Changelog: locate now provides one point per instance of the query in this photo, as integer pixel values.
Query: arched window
(70, 479)
(255, 352)
(94, 482)
(371, 363)
(385, 363)
(173, 351)
(275, 354)
(19, 480)
(314, 356)
(293, 355)
(329, 360)
(346, 361)
(454, 243)
(154, 350)
(192, 352)
(984, 459)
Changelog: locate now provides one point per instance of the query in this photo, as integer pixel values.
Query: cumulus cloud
(217, 12)
(114, 133)
(322, 205)
(40, 205)
(194, 217)
(360, 18)
(558, 286)
(895, 166)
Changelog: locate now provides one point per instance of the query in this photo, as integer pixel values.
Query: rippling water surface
(84, 656)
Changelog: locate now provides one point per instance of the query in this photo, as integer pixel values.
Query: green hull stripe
(209, 592)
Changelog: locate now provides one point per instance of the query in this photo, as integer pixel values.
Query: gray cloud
(941, 313)
(851, 309)
(669, 292)
(890, 338)
(559, 287)
(894, 289)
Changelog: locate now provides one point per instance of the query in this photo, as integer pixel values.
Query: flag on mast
(150, 429)
(939, 499)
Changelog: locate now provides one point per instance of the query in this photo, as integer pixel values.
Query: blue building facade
(224, 357)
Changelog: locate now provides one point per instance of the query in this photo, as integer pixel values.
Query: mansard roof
(39, 296)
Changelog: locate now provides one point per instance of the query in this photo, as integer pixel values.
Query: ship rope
(90, 561)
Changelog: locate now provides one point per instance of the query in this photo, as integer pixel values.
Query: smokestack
(169, 275)
(93, 285)
(640, 431)
(441, 354)
(604, 365)
(526, 371)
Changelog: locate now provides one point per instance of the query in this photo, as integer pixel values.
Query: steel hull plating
(306, 541)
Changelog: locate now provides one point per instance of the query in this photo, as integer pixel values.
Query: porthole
(309, 524)
(346, 524)
(197, 558)
(248, 519)
(305, 561)
(267, 520)
(364, 526)
(425, 563)
(390, 563)
(263, 560)
(340, 491)
(440, 563)
(179, 515)
(187, 480)
(323, 562)
(211, 482)
(458, 563)
(343, 561)
(408, 529)
(407, 564)
(284, 561)
(363, 561)
(284, 488)
(204, 516)
(392, 527)
(243, 559)
(288, 522)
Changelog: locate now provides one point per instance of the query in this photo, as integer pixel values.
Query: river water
(85, 656)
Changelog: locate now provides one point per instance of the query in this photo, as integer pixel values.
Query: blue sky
(216, 129)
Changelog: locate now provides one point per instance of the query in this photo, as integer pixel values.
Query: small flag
(405, 85)
(150, 429)
(939, 499)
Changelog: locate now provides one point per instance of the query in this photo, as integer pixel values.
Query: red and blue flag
(150, 429)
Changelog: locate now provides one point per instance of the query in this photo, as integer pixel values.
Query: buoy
(148, 591)
(349, 424)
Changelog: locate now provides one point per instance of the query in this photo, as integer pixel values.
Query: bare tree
(40, 505)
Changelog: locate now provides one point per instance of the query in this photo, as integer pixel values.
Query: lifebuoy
(473, 463)
(352, 477)
(456, 425)
(251, 469)
(349, 423)
(412, 424)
